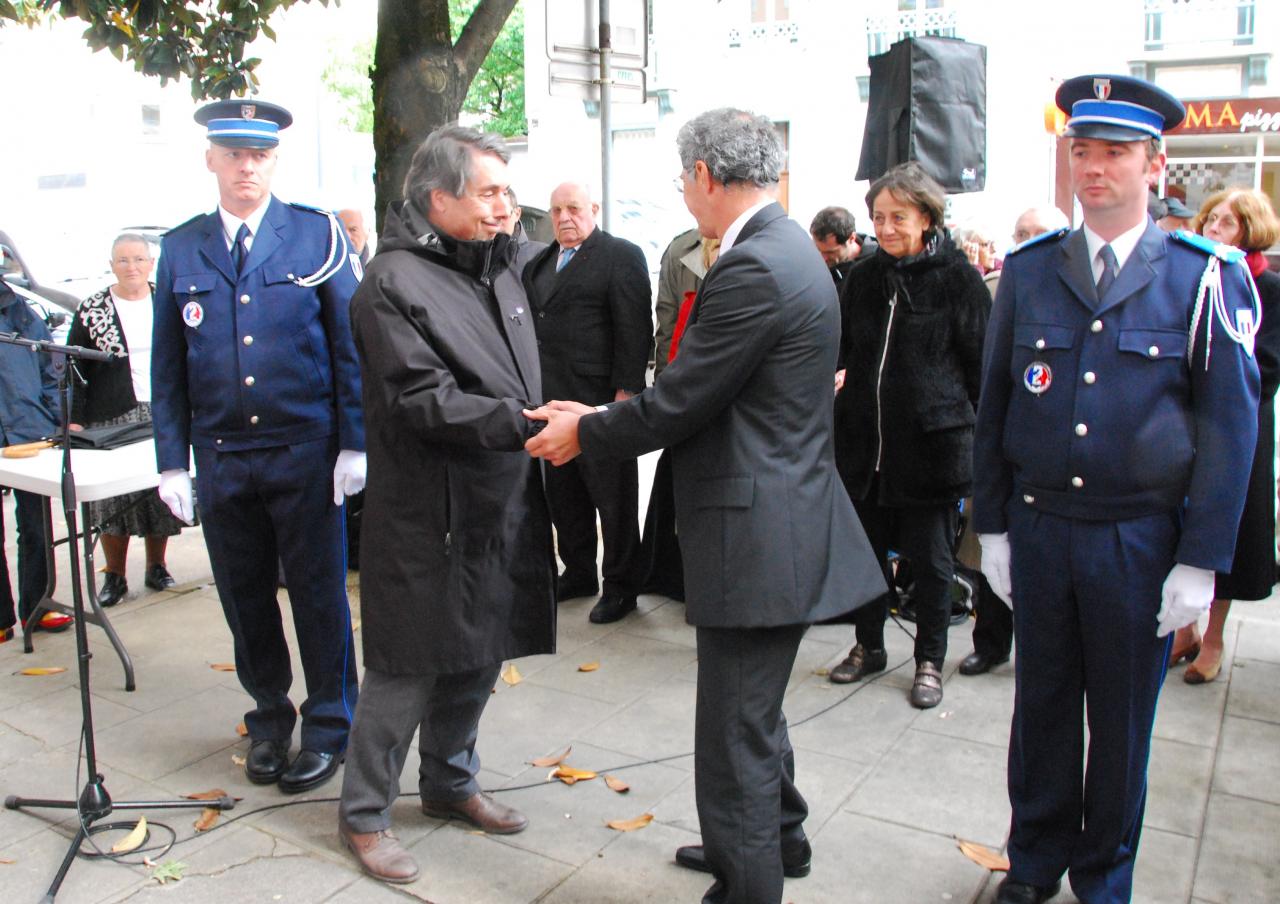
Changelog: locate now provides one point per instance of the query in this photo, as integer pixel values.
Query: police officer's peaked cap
(1117, 108)
(244, 123)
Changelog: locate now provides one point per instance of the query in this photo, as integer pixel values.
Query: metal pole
(606, 117)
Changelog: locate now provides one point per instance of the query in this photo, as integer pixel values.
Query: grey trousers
(446, 708)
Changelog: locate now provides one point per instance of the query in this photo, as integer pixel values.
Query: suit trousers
(744, 768)
(993, 621)
(260, 507)
(578, 489)
(925, 535)
(662, 563)
(1086, 595)
(444, 709)
(33, 575)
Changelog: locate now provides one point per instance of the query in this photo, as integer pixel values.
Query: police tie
(1109, 268)
(239, 250)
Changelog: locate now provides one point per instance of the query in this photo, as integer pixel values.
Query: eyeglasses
(126, 261)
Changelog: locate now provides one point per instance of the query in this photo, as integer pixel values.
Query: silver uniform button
(1028, 499)
(1077, 482)
(191, 288)
(1081, 429)
(254, 419)
(217, 442)
(248, 340)
(249, 381)
(1090, 377)
(288, 276)
(1096, 326)
(244, 299)
(1039, 343)
(1153, 351)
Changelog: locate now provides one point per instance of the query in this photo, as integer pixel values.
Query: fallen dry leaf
(616, 784)
(133, 840)
(512, 675)
(983, 855)
(237, 759)
(37, 671)
(242, 730)
(7, 862)
(208, 819)
(551, 760)
(588, 667)
(168, 871)
(223, 666)
(822, 673)
(211, 794)
(630, 825)
(570, 775)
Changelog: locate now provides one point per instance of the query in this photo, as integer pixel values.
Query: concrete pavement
(890, 788)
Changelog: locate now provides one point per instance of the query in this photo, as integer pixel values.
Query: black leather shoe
(266, 761)
(796, 860)
(569, 587)
(612, 606)
(113, 590)
(309, 770)
(979, 663)
(158, 578)
(1014, 892)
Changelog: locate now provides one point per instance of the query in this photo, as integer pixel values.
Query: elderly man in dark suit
(772, 538)
(590, 295)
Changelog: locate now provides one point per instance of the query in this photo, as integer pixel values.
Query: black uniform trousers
(925, 535)
(1086, 594)
(661, 561)
(575, 491)
(993, 621)
(33, 574)
(744, 769)
(263, 505)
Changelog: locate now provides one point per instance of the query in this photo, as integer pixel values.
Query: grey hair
(131, 237)
(736, 146)
(443, 161)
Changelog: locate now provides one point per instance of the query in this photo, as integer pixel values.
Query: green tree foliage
(347, 79)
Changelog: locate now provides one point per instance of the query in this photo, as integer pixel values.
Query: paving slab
(1238, 862)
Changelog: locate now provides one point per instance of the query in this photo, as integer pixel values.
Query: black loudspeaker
(929, 104)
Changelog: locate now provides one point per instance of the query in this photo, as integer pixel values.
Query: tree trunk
(420, 79)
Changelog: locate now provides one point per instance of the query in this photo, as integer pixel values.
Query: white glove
(175, 492)
(348, 475)
(1187, 593)
(995, 565)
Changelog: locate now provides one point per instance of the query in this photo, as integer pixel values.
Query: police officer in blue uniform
(1118, 404)
(254, 368)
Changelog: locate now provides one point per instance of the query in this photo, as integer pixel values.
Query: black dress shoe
(1014, 892)
(612, 606)
(310, 770)
(266, 761)
(113, 590)
(158, 577)
(796, 860)
(569, 587)
(979, 663)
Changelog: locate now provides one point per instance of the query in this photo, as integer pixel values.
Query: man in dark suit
(770, 537)
(590, 295)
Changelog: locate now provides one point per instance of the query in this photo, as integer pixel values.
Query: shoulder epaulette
(1227, 253)
(185, 223)
(1050, 236)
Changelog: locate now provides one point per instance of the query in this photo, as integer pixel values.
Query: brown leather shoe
(482, 811)
(381, 855)
(926, 690)
(860, 663)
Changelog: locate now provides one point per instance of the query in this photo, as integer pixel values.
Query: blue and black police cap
(244, 123)
(1117, 108)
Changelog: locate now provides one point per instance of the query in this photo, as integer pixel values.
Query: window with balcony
(1179, 23)
(771, 22)
(914, 18)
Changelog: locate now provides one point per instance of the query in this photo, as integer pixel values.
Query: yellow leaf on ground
(238, 759)
(208, 819)
(616, 784)
(242, 730)
(133, 840)
(211, 794)
(569, 775)
(983, 855)
(551, 760)
(7, 862)
(223, 666)
(588, 667)
(630, 825)
(512, 675)
(822, 673)
(37, 671)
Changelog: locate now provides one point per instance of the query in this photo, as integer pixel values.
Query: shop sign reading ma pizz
(1236, 115)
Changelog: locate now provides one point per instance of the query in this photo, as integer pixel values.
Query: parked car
(55, 307)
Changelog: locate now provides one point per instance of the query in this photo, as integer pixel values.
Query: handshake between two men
(557, 441)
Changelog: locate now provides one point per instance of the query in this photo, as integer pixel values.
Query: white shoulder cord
(332, 264)
(1211, 290)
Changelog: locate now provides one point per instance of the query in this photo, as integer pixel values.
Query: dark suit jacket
(592, 318)
(768, 533)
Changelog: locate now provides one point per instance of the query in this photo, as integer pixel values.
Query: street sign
(573, 32)
(581, 80)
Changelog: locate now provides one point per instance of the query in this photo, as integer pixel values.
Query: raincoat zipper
(884, 355)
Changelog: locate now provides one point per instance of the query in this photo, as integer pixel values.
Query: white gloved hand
(995, 565)
(175, 492)
(348, 475)
(1186, 595)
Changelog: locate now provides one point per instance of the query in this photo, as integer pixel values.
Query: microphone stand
(94, 803)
